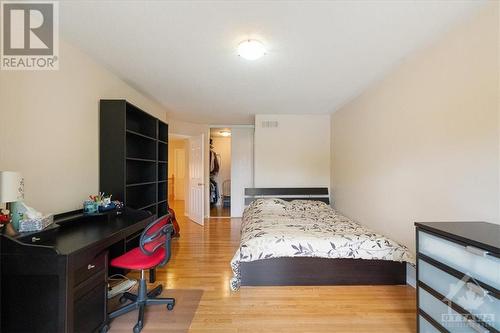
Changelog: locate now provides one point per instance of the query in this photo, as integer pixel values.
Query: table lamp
(11, 190)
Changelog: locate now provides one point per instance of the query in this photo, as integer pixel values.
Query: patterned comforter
(274, 228)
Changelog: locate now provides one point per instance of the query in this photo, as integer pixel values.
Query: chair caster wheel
(170, 307)
(104, 329)
(137, 328)
(123, 300)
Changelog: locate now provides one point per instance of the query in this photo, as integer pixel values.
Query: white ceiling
(320, 54)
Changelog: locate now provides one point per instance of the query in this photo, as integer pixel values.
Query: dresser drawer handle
(90, 266)
(476, 327)
(476, 289)
(35, 239)
(476, 251)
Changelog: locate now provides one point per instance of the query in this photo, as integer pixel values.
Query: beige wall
(49, 127)
(498, 92)
(294, 154)
(186, 128)
(242, 166)
(423, 144)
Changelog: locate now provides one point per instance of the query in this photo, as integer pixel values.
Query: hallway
(201, 258)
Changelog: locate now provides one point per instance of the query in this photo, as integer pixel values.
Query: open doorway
(177, 172)
(220, 172)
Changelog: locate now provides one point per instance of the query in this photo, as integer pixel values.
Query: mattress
(274, 228)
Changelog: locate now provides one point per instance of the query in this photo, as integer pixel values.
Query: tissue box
(36, 224)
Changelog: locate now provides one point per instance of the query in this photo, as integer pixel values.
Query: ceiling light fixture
(225, 133)
(251, 49)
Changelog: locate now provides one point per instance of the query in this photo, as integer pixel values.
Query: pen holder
(111, 206)
(90, 207)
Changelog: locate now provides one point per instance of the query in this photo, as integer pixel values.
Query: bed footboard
(303, 271)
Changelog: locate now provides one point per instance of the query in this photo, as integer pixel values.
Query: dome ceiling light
(251, 49)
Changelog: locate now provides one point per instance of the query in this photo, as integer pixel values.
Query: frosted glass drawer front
(425, 326)
(445, 316)
(463, 292)
(483, 268)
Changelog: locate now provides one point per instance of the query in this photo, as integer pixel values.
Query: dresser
(458, 277)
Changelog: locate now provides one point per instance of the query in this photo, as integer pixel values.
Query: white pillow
(307, 205)
(269, 203)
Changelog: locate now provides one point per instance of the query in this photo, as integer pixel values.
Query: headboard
(288, 193)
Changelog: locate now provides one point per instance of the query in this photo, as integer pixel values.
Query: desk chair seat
(136, 259)
(154, 251)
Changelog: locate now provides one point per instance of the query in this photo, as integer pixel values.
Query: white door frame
(207, 180)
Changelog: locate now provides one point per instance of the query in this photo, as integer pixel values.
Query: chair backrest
(157, 235)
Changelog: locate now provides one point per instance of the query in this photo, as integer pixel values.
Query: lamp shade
(11, 186)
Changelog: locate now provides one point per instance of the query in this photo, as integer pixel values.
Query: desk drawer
(90, 308)
(465, 293)
(468, 260)
(425, 326)
(90, 268)
(446, 316)
(40, 238)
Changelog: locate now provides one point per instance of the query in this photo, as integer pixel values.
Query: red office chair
(154, 250)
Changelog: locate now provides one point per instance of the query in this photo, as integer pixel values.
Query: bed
(291, 236)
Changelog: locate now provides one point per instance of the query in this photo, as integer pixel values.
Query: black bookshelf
(133, 156)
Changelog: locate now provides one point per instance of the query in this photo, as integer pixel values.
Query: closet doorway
(220, 172)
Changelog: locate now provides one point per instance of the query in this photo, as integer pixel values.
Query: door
(196, 175)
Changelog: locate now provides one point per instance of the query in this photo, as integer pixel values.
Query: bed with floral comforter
(274, 228)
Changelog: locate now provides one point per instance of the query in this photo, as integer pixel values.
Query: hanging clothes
(214, 171)
(214, 192)
(214, 163)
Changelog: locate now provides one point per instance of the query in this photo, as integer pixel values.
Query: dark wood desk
(56, 280)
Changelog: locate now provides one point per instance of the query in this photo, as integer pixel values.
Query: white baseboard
(411, 275)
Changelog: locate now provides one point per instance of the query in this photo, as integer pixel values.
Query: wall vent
(269, 123)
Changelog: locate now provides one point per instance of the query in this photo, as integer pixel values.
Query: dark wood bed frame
(301, 271)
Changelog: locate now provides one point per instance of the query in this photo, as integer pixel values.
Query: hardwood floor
(201, 259)
(220, 211)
